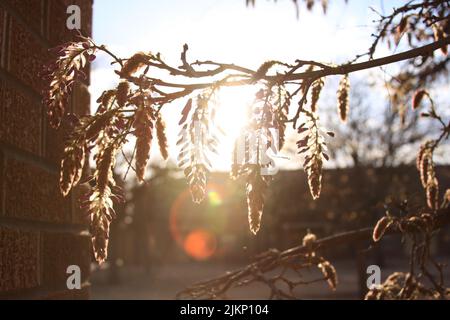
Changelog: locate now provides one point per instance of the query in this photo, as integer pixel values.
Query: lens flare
(200, 245)
(215, 199)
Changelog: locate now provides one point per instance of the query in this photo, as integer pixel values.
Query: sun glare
(231, 117)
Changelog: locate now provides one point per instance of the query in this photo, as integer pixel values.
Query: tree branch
(273, 259)
(246, 76)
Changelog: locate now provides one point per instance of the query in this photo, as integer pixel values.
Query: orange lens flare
(200, 245)
(215, 199)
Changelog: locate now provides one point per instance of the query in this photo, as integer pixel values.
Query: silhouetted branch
(295, 258)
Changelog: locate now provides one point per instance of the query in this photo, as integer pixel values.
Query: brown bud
(309, 240)
(256, 188)
(417, 98)
(316, 91)
(344, 98)
(162, 138)
(143, 125)
(136, 62)
(381, 228)
(329, 273)
(432, 191)
(123, 91)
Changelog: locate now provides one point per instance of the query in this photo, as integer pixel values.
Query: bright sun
(232, 117)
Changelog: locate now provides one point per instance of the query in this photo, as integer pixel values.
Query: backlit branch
(295, 259)
(148, 83)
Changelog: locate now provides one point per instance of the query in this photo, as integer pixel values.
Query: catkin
(381, 228)
(344, 98)
(439, 34)
(256, 188)
(316, 91)
(417, 98)
(309, 240)
(123, 91)
(97, 125)
(107, 97)
(426, 167)
(314, 173)
(104, 168)
(100, 234)
(71, 168)
(432, 192)
(134, 64)
(143, 125)
(329, 273)
(197, 176)
(162, 137)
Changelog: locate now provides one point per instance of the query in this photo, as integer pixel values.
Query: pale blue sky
(228, 31)
(223, 29)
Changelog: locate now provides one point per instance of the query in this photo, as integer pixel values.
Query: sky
(228, 31)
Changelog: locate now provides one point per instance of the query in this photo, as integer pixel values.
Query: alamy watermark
(73, 21)
(374, 279)
(74, 279)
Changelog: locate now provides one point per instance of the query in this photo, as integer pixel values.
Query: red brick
(79, 216)
(86, 13)
(20, 119)
(59, 251)
(54, 143)
(24, 7)
(2, 37)
(58, 32)
(55, 138)
(32, 193)
(26, 56)
(19, 260)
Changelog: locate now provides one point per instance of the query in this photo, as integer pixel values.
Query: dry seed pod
(123, 90)
(105, 162)
(420, 155)
(439, 34)
(381, 228)
(315, 177)
(256, 188)
(426, 166)
(312, 145)
(71, 168)
(402, 25)
(262, 71)
(316, 91)
(61, 74)
(97, 125)
(329, 273)
(344, 98)
(309, 240)
(197, 177)
(373, 294)
(136, 62)
(432, 192)
(143, 125)
(106, 97)
(417, 98)
(100, 235)
(446, 201)
(162, 138)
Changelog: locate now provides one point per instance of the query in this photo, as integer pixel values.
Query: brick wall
(41, 233)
